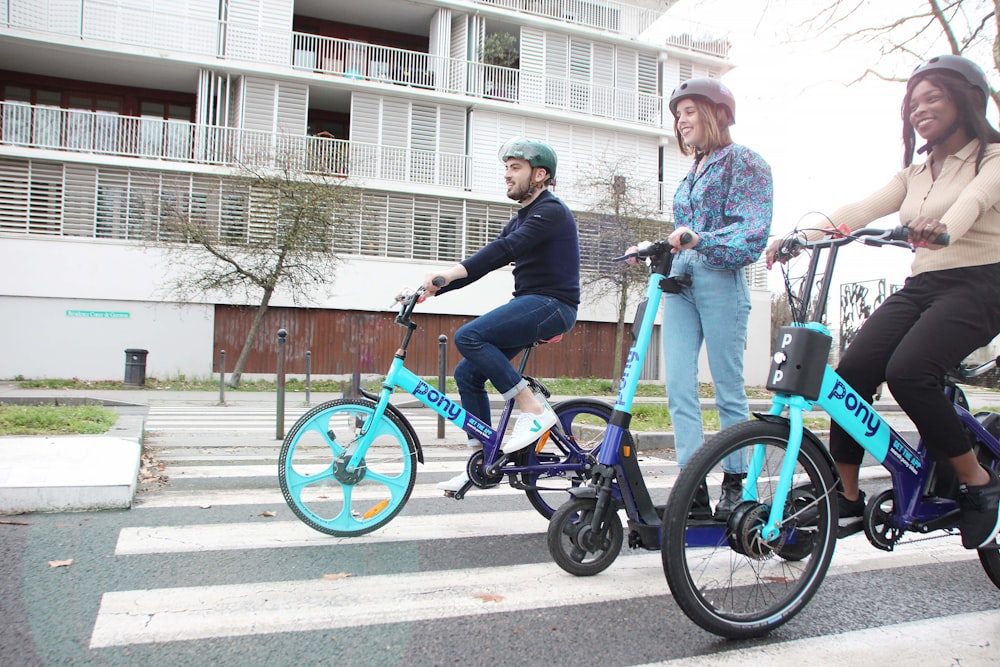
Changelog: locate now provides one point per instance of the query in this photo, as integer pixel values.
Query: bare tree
(276, 229)
(914, 30)
(620, 215)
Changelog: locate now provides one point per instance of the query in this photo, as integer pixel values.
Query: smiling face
(932, 111)
(689, 123)
(518, 176)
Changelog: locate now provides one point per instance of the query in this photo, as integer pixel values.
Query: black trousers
(916, 336)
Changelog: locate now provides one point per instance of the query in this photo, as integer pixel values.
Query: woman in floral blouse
(725, 204)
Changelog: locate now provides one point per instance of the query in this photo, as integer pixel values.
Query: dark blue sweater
(542, 242)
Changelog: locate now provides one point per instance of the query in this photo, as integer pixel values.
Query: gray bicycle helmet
(968, 70)
(711, 89)
(536, 153)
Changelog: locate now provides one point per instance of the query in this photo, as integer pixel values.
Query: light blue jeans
(714, 310)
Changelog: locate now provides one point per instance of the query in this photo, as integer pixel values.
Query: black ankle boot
(700, 507)
(732, 494)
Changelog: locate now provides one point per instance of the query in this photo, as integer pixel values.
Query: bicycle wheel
(578, 549)
(314, 480)
(584, 421)
(725, 576)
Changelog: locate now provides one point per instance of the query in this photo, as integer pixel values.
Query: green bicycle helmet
(711, 89)
(964, 67)
(536, 153)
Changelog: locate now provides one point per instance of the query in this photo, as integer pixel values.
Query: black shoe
(850, 511)
(701, 508)
(980, 519)
(732, 494)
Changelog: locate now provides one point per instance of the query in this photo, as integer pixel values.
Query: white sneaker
(528, 428)
(456, 483)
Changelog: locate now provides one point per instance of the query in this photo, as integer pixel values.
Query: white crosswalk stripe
(240, 481)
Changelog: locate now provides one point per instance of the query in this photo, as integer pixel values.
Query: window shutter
(80, 208)
(532, 88)
(14, 195)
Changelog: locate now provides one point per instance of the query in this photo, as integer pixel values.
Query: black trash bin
(135, 367)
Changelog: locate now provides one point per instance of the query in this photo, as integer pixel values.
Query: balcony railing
(369, 62)
(109, 134)
(611, 16)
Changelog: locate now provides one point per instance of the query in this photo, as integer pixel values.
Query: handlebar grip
(901, 233)
(438, 281)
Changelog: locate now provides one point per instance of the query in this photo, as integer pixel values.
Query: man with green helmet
(541, 241)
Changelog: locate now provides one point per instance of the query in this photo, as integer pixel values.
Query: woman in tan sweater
(950, 304)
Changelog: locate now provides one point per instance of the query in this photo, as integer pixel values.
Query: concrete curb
(73, 472)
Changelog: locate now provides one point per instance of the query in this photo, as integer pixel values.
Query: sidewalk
(60, 473)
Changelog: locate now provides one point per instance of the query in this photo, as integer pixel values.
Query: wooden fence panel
(341, 342)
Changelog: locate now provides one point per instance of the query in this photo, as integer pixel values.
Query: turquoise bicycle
(348, 466)
(753, 573)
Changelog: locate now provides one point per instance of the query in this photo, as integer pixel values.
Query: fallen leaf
(335, 577)
(489, 597)
(60, 563)
(269, 513)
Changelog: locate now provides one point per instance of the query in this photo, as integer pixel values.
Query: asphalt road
(211, 568)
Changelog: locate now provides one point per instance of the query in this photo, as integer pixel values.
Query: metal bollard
(280, 428)
(222, 377)
(442, 368)
(308, 373)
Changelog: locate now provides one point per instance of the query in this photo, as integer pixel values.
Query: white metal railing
(611, 16)
(101, 133)
(370, 62)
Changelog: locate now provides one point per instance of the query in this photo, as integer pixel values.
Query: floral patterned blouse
(729, 204)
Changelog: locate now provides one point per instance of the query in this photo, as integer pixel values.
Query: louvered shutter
(80, 200)
(607, 89)
(557, 70)
(111, 218)
(14, 185)
(423, 142)
(532, 71)
(395, 128)
(626, 84)
(646, 83)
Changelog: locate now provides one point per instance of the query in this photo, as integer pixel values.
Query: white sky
(828, 144)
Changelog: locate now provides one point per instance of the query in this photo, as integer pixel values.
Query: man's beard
(520, 193)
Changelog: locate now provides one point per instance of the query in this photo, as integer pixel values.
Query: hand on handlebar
(782, 249)
(647, 248)
(927, 233)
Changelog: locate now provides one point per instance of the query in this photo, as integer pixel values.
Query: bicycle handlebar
(652, 249)
(897, 236)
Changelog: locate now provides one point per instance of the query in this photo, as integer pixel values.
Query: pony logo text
(435, 397)
(853, 403)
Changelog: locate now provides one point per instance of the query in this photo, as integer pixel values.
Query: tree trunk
(258, 320)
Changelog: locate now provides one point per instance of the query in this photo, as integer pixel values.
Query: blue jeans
(490, 341)
(714, 310)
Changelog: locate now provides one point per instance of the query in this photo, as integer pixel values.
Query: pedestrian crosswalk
(256, 418)
(254, 571)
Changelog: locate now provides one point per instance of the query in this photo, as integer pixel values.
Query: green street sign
(104, 314)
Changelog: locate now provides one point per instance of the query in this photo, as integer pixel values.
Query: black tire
(990, 558)
(575, 547)
(322, 493)
(726, 577)
(584, 420)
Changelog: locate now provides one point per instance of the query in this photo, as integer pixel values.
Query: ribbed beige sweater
(966, 203)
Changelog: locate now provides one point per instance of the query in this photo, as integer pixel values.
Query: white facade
(187, 90)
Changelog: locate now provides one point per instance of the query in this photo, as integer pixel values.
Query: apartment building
(108, 108)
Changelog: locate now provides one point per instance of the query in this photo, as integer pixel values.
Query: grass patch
(55, 419)
(558, 386)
